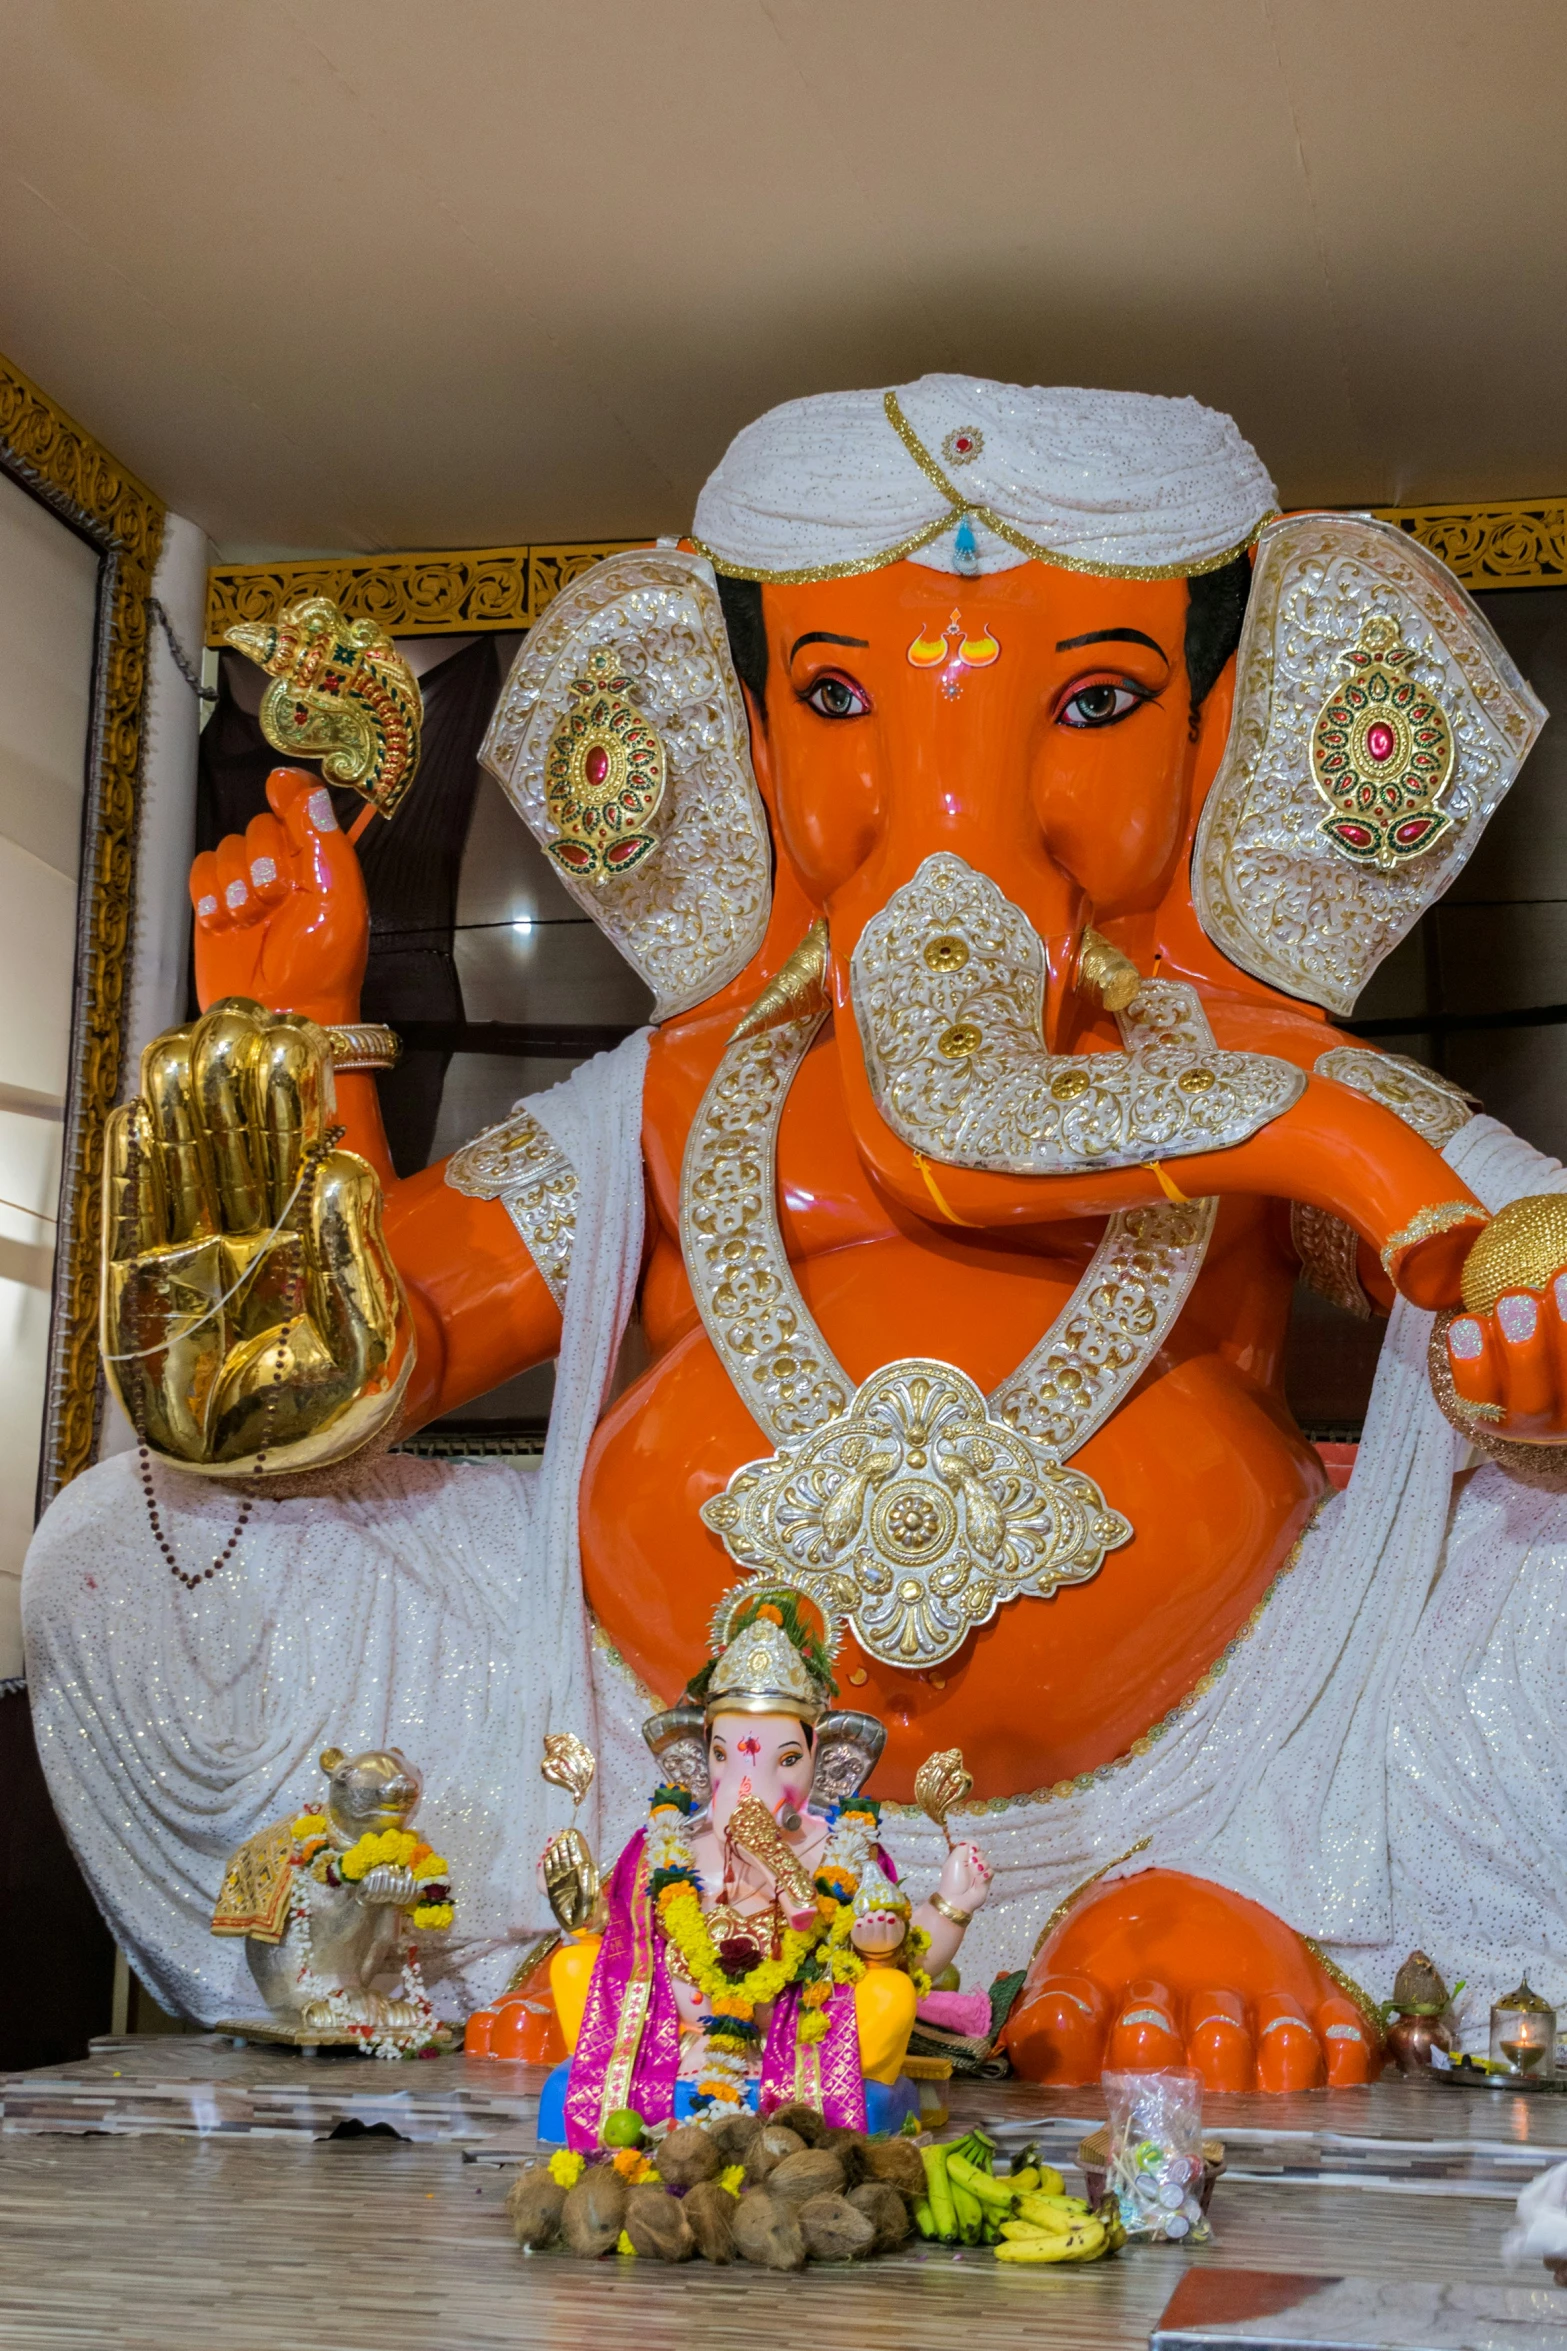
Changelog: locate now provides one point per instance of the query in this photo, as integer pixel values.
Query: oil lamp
(1523, 2034)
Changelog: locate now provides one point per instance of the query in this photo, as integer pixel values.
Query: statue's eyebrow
(1109, 637)
(826, 637)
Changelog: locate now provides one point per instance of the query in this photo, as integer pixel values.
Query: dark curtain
(57, 1960)
(410, 866)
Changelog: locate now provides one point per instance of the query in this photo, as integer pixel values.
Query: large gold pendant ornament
(1382, 755)
(915, 1514)
(604, 774)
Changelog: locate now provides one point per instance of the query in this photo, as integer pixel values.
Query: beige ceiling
(346, 274)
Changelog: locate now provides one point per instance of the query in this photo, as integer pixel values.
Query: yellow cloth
(884, 2003)
(571, 1972)
(253, 1899)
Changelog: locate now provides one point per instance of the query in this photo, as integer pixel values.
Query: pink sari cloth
(628, 2051)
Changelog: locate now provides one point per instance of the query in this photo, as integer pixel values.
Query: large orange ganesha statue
(1000, 799)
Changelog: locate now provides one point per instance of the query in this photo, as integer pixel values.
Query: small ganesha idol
(758, 1948)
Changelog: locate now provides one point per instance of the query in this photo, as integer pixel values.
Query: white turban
(974, 477)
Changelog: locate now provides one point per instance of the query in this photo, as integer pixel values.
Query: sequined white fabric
(435, 1606)
(1383, 1763)
(1105, 479)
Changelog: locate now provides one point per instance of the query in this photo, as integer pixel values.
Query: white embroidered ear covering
(692, 913)
(1279, 897)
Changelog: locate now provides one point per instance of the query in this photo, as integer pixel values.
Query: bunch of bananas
(1026, 2215)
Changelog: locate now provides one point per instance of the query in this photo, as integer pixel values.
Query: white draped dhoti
(1382, 1762)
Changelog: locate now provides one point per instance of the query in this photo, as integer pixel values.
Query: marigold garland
(737, 1997)
(390, 1848)
(394, 1848)
(818, 1958)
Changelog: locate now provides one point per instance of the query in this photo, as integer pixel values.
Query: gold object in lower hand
(571, 1880)
(244, 1310)
(941, 1782)
(753, 1828)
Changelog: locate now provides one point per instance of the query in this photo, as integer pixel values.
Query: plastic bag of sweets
(1156, 2155)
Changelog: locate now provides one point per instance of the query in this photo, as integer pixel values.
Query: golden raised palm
(252, 1319)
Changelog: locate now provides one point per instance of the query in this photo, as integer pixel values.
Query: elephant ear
(1378, 724)
(627, 682)
(847, 1748)
(678, 1740)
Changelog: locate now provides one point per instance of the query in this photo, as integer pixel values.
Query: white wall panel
(48, 595)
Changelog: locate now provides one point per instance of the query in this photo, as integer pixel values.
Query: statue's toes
(1143, 2038)
(1289, 2055)
(1219, 2043)
(1057, 2032)
(1351, 2051)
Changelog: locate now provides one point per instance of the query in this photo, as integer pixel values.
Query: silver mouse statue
(322, 1938)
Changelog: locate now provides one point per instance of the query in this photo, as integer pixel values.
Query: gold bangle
(364, 1044)
(950, 1911)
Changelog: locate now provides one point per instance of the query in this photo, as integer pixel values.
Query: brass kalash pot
(1416, 2016)
(1523, 2035)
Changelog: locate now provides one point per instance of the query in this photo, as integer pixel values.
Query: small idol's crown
(876, 1891)
(766, 1659)
(762, 1672)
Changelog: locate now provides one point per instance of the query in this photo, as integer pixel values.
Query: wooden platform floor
(215, 2213)
(164, 2244)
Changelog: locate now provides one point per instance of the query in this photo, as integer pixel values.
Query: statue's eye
(1103, 704)
(833, 696)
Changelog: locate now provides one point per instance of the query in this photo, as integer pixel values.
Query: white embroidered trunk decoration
(948, 983)
(915, 1507)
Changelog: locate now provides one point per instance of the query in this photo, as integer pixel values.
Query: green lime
(624, 2128)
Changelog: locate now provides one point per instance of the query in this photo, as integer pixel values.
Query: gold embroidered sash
(634, 2006)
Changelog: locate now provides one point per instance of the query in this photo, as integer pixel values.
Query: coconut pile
(807, 2190)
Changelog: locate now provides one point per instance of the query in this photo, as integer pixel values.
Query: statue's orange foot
(1164, 1970)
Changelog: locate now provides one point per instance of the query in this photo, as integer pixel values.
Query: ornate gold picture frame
(47, 453)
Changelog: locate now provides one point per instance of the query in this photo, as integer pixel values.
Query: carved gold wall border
(48, 453)
(444, 593)
(1518, 543)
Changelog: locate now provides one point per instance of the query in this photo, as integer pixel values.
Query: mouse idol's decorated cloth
(258, 1886)
(976, 477)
